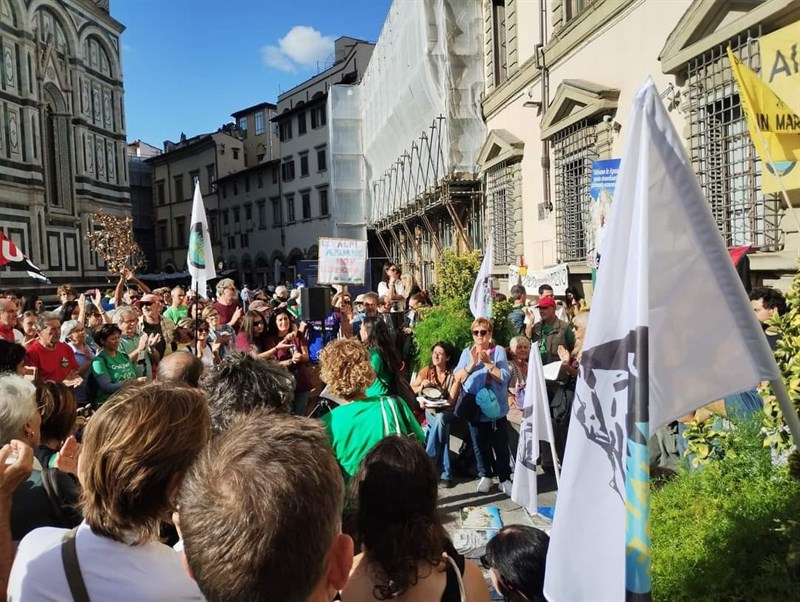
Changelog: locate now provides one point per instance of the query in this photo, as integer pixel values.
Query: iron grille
(500, 196)
(727, 166)
(574, 152)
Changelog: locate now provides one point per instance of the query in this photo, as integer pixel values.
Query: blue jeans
(437, 440)
(490, 443)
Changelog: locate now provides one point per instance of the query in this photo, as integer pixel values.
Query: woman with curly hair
(405, 550)
(360, 421)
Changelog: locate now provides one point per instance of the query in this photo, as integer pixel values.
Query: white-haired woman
(33, 506)
(73, 333)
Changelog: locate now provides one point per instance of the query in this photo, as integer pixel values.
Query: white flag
(536, 426)
(201, 257)
(666, 286)
(480, 301)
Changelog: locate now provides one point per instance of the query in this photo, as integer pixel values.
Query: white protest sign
(557, 277)
(341, 261)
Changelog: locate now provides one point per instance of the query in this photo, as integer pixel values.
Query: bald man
(180, 368)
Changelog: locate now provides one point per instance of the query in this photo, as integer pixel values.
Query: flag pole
(637, 482)
(789, 413)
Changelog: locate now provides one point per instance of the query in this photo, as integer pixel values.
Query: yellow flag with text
(774, 129)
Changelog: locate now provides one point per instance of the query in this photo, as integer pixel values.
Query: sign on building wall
(779, 69)
(601, 189)
(557, 277)
(341, 261)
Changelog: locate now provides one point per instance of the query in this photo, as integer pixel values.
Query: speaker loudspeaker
(315, 302)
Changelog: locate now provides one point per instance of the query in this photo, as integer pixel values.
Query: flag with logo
(774, 127)
(671, 330)
(15, 259)
(201, 256)
(536, 426)
(480, 301)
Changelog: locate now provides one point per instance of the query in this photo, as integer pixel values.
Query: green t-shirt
(176, 314)
(355, 428)
(383, 376)
(128, 346)
(119, 368)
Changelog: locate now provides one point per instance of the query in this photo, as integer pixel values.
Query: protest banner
(556, 276)
(601, 189)
(341, 261)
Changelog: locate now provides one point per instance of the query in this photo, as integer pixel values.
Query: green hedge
(728, 531)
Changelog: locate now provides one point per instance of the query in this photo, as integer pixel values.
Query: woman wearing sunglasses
(515, 558)
(252, 338)
(484, 371)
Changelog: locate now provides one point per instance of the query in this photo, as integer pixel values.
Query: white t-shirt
(383, 288)
(110, 569)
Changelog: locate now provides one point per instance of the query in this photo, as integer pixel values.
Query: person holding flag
(638, 370)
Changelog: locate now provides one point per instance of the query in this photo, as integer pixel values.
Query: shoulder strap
(72, 568)
(454, 570)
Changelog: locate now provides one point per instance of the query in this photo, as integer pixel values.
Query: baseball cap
(547, 302)
(259, 306)
(148, 298)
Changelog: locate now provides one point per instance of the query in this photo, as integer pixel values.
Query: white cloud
(302, 46)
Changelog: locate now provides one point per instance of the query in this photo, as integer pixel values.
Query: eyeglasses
(40, 408)
(479, 333)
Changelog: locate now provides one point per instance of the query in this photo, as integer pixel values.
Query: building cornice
(561, 44)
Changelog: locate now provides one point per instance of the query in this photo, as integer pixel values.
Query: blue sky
(188, 64)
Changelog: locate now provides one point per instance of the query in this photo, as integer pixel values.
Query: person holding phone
(289, 348)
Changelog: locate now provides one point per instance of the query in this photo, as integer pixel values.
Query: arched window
(56, 148)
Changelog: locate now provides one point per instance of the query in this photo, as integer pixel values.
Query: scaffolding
(727, 166)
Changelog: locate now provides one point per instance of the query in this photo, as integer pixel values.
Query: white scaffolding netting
(348, 173)
(419, 102)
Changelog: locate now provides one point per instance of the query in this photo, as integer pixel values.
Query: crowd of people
(156, 445)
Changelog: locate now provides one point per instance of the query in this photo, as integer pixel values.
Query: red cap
(547, 302)
(148, 298)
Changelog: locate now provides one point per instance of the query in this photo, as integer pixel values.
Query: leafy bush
(788, 357)
(456, 277)
(728, 531)
(450, 323)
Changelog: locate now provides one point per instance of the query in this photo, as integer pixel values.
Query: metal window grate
(727, 166)
(573, 153)
(500, 199)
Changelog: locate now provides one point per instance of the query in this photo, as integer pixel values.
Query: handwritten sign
(557, 277)
(341, 261)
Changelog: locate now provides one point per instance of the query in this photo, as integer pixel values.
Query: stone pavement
(464, 494)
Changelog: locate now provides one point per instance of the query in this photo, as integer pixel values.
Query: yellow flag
(774, 128)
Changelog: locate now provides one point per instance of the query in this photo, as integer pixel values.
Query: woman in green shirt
(361, 421)
(383, 356)
(111, 368)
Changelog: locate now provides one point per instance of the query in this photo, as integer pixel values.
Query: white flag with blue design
(201, 256)
(671, 330)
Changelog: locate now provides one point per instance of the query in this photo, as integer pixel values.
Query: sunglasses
(480, 333)
(147, 303)
(258, 323)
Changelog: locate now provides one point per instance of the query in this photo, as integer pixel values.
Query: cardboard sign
(341, 261)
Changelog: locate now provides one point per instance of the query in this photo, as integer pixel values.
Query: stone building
(203, 159)
(303, 204)
(559, 78)
(63, 139)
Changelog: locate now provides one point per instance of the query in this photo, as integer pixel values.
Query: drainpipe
(544, 80)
